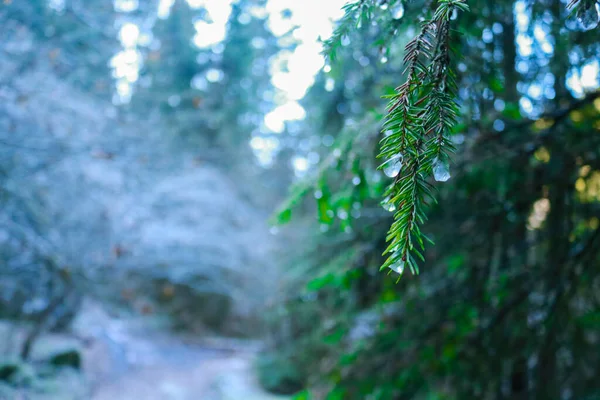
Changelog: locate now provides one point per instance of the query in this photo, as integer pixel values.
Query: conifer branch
(356, 13)
(421, 115)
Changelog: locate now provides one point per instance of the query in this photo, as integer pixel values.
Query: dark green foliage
(67, 358)
(7, 371)
(506, 305)
(278, 374)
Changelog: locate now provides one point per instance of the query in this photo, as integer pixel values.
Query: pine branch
(356, 14)
(421, 115)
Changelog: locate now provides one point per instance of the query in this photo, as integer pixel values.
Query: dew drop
(397, 10)
(388, 205)
(318, 194)
(392, 166)
(441, 170)
(383, 59)
(398, 267)
(356, 180)
(384, 6)
(345, 40)
(587, 16)
(454, 14)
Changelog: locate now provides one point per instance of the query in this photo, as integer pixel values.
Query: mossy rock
(188, 306)
(8, 371)
(279, 376)
(15, 373)
(68, 358)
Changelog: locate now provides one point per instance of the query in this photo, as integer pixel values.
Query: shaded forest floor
(144, 362)
(133, 358)
(153, 365)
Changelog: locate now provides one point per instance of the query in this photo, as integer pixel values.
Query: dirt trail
(128, 360)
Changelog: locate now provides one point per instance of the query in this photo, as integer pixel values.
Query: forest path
(129, 360)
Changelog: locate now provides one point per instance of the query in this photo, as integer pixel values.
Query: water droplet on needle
(587, 16)
(441, 170)
(398, 267)
(393, 166)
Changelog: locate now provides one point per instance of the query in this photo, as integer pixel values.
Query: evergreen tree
(209, 93)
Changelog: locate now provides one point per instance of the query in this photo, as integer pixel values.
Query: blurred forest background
(151, 246)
